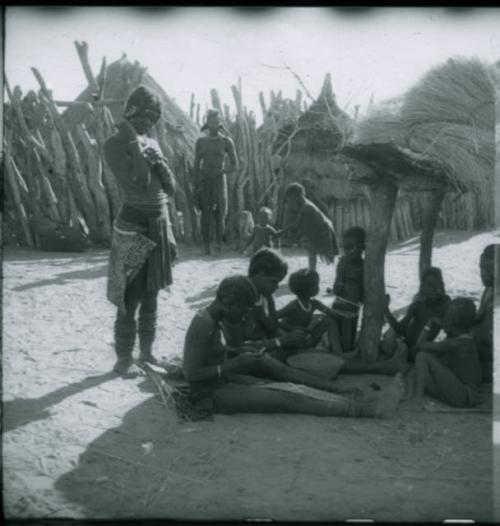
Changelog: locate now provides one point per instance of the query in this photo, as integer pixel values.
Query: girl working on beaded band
(143, 246)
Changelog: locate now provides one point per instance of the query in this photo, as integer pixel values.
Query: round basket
(321, 364)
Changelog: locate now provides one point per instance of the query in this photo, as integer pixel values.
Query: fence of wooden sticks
(61, 195)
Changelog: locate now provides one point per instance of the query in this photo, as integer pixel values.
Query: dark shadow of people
(63, 277)
(133, 476)
(25, 255)
(22, 411)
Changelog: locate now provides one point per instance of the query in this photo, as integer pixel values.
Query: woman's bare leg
(246, 399)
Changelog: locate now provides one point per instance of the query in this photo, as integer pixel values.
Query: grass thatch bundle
(447, 117)
(381, 125)
(450, 116)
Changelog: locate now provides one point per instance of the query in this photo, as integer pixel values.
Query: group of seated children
(449, 370)
(228, 355)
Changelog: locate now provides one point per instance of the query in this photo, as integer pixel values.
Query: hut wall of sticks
(60, 194)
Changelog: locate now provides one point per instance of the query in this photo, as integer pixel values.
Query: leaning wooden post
(383, 199)
(82, 49)
(430, 214)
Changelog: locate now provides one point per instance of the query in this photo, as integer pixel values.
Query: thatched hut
(60, 194)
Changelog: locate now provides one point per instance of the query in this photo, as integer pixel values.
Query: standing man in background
(212, 153)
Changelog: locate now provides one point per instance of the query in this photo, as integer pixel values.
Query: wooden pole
(432, 207)
(383, 199)
(82, 49)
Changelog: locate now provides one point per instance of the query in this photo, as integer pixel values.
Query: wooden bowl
(322, 364)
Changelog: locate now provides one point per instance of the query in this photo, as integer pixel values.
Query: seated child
(226, 380)
(482, 331)
(449, 370)
(348, 288)
(263, 233)
(428, 306)
(299, 313)
(314, 226)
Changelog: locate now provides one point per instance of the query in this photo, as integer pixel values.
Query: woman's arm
(126, 162)
(398, 326)
(166, 176)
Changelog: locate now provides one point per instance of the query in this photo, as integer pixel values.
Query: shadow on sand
(63, 277)
(22, 411)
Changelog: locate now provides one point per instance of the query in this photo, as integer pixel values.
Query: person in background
(212, 153)
(264, 233)
(312, 224)
(143, 245)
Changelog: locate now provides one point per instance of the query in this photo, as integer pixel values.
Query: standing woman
(143, 245)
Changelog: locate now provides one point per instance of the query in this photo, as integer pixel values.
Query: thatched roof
(122, 76)
(321, 129)
(315, 140)
(447, 118)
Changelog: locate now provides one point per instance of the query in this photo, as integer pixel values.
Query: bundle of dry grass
(381, 125)
(447, 117)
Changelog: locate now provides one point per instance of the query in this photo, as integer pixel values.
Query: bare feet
(390, 397)
(148, 358)
(127, 368)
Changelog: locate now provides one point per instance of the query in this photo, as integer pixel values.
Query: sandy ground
(81, 442)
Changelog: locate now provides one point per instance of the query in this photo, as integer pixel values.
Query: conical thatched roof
(122, 76)
(315, 141)
(325, 125)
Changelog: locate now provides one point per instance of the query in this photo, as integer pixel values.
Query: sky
(379, 51)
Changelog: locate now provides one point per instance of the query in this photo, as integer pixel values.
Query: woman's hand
(152, 154)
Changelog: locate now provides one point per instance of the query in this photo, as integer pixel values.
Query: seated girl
(229, 377)
(428, 308)
(449, 370)
(299, 313)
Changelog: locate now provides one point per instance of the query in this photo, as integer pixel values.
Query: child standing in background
(314, 226)
(348, 289)
(263, 233)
